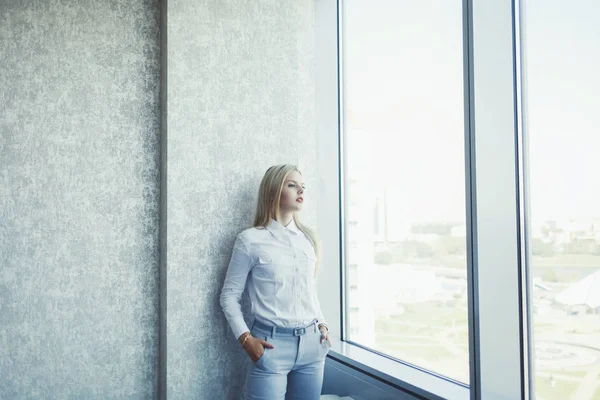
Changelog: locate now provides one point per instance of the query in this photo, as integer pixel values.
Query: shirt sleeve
(320, 316)
(233, 287)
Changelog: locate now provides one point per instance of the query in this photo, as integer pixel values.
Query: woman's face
(292, 193)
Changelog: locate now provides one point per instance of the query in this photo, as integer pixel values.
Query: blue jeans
(292, 370)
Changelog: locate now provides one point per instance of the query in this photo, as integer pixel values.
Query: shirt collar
(293, 227)
(279, 230)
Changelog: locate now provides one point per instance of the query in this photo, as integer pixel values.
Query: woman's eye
(291, 185)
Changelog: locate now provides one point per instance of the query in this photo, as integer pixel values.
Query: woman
(277, 257)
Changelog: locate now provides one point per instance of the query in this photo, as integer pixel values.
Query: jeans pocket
(261, 359)
(259, 362)
(323, 348)
(326, 347)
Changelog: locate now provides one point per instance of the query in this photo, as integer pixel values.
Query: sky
(404, 86)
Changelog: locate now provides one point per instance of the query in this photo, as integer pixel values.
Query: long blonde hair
(267, 208)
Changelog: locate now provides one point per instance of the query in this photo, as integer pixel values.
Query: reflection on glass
(563, 129)
(406, 287)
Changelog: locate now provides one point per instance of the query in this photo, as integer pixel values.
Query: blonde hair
(269, 196)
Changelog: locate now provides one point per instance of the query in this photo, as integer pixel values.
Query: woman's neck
(285, 218)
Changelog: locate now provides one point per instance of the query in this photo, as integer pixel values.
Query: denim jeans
(292, 370)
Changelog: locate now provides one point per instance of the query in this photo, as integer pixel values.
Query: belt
(284, 331)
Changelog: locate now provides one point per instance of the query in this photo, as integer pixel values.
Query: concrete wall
(240, 98)
(85, 141)
(79, 187)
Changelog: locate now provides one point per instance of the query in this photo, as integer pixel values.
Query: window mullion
(496, 311)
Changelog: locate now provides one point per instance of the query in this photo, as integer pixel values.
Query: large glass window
(562, 115)
(404, 181)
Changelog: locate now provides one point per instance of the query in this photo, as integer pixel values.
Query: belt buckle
(299, 331)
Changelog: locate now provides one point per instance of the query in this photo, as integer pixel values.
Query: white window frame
(497, 263)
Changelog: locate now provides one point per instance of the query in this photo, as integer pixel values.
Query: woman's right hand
(255, 347)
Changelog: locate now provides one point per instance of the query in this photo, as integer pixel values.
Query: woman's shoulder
(249, 240)
(252, 234)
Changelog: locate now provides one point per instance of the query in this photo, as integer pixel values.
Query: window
(404, 182)
(563, 124)
(528, 255)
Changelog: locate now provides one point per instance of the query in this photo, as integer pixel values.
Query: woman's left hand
(325, 335)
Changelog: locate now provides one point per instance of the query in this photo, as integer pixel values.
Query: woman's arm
(235, 282)
(231, 294)
(322, 324)
(320, 316)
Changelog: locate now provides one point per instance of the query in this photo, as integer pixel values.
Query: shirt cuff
(322, 321)
(239, 327)
(320, 316)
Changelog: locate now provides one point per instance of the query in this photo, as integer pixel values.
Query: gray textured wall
(79, 130)
(241, 97)
(79, 200)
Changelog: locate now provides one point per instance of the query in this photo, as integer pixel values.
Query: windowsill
(397, 374)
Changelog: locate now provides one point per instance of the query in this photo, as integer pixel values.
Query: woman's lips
(300, 200)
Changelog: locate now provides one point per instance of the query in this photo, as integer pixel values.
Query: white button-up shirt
(278, 263)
